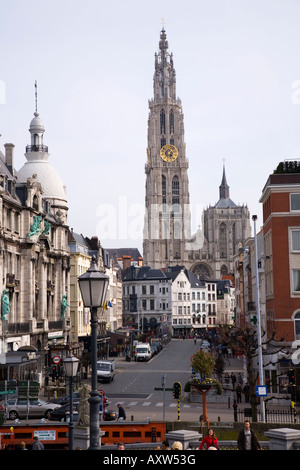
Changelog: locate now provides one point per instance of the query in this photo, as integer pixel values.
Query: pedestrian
(227, 378)
(233, 379)
(176, 445)
(22, 446)
(240, 378)
(239, 393)
(120, 446)
(247, 439)
(122, 414)
(246, 391)
(37, 445)
(165, 445)
(210, 441)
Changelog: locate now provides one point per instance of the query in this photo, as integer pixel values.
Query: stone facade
(34, 253)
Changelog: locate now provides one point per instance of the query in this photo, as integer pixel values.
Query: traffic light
(292, 377)
(177, 390)
(292, 384)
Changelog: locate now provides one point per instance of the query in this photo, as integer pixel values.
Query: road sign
(56, 359)
(7, 392)
(261, 390)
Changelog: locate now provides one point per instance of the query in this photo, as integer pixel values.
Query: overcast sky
(238, 76)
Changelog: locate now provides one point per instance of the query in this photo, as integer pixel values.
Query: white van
(142, 352)
(105, 370)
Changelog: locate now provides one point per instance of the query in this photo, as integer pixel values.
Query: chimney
(140, 261)
(9, 157)
(126, 262)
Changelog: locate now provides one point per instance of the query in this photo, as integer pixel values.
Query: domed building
(53, 189)
(34, 259)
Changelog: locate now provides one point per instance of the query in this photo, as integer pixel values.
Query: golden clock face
(169, 153)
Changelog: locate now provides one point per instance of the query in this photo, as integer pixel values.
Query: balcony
(36, 148)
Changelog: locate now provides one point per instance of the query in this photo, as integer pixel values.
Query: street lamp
(71, 366)
(93, 285)
(260, 358)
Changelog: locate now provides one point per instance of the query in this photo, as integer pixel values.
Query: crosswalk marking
(148, 403)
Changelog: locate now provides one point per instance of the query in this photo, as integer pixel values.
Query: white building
(147, 300)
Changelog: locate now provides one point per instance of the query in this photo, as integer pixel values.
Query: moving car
(27, 407)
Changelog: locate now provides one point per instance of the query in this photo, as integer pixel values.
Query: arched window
(162, 122)
(175, 190)
(171, 122)
(164, 191)
(224, 270)
(223, 240)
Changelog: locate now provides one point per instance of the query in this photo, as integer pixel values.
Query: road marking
(132, 403)
(146, 403)
(159, 404)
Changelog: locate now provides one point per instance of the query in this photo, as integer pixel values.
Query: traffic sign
(56, 359)
(7, 392)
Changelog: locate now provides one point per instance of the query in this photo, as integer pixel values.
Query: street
(135, 383)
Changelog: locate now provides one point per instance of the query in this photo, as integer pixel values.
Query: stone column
(283, 438)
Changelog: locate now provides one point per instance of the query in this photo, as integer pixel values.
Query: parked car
(61, 413)
(31, 407)
(153, 350)
(158, 345)
(109, 415)
(76, 397)
(66, 399)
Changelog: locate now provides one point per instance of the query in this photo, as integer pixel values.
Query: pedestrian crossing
(145, 404)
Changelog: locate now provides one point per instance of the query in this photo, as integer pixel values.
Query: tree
(246, 340)
(203, 364)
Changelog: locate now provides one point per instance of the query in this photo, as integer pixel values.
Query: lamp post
(93, 285)
(71, 366)
(260, 358)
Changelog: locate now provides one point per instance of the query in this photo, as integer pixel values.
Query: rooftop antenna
(35, 86)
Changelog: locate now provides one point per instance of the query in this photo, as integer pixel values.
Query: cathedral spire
(165, 75)
(224, 188)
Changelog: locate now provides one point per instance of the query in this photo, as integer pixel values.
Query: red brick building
(281, 228)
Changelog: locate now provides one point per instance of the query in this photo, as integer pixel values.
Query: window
(296, 280)
(295, 202)
(295, 240)
(175, 190)
(297, 325)
(171, 122)
(162, 122)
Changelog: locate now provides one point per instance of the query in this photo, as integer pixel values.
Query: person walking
(247, 439)
(37, 445)
(122, 413)
(210, 440)
(239, 393)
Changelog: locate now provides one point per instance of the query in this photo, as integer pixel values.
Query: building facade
(147, 305)
(34, 264)
(281, 230)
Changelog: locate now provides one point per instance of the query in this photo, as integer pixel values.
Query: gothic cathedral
(167, 228)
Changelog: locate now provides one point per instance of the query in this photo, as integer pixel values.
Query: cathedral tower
(167, 215)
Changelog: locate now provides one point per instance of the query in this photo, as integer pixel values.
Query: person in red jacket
(210, 441)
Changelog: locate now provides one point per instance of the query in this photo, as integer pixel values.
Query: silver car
(28, 407)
